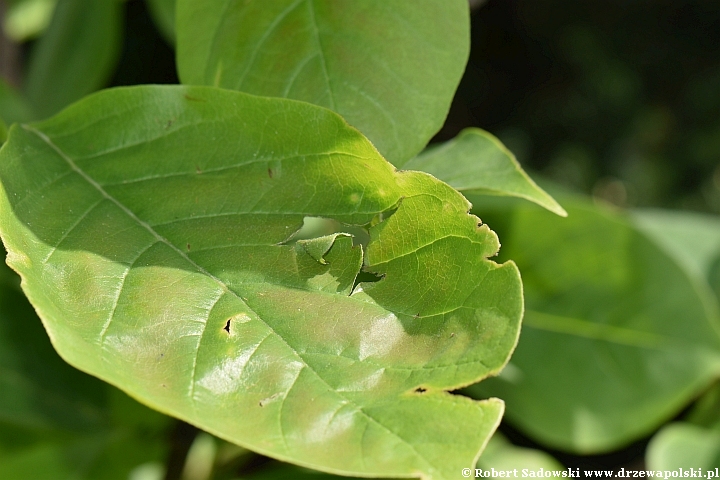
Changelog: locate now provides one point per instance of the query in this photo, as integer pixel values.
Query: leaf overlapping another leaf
(150, 227)
(389, 68)
(618, 335)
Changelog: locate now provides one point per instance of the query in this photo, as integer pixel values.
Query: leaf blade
(182, 239)
(369, 62)
(476, 162)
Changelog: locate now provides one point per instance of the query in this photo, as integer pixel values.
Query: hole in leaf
(420, 390)
(367, 277)
(227, 326)
(383, 216)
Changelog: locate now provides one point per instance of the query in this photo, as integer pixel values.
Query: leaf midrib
(219, 282)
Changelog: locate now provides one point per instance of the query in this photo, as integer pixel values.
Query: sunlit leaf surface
(477, 163)
(152, 229)
(389, 68)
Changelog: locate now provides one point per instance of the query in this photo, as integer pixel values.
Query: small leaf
(682, 445)
(76, 55)
(500, 454)
(26, 19)
(389, 68)
(477, 163)
(617, 337)
(150, 226)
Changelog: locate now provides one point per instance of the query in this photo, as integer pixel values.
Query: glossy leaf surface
(389, 68)
(477, 163)
(76, 55)
(150, 227)
(617, 337)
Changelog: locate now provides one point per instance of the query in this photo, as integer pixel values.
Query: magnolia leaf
(76, 55)
(477, 163)
(152, 228)
(683, 445)
(617, 336)
(389, 68)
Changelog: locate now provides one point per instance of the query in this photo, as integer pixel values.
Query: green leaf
(3, 131)
(500, 454)
(76, 55)
(389, 68)
(617, 337)
(26, 19)
(163, 14)
(682, 445)
(56, 422)
(477, 163)
(693, 239)
(149, 226)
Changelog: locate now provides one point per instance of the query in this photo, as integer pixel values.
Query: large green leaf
(76, 55)
(55, 422)
(617, 337)
(150, 226)
(477, 163)
(389, 68)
